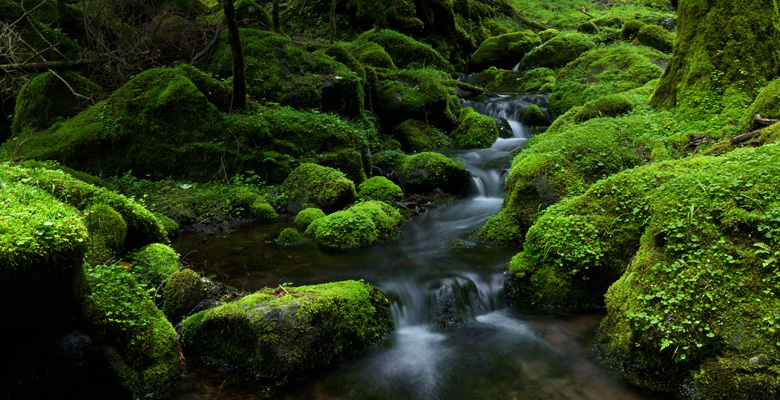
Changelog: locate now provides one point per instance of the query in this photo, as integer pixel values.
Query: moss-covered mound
(424, 172)
(136, 339)
(279, 339)
(558, 51)
(307, 216)
(607, 106)
(289, 237)
(609, 70)
(630, 29)
(181, 294)
(503, 51)
(256, 204)
(372, 54)
(154, 264)
(474, 131)
(423, 94)
(279, 71)
(361, 225)
(656, 37)
(405, 51)
(766, 104)
(107, 232)
(534, 116)
(495, 80)
(312, 185)
(381, 189)
(416, 135)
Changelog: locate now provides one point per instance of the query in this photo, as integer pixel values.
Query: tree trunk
(60, 8)
(237, 52)
(275, 15)
(333, 21)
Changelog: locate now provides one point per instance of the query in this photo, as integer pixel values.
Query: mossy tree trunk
(275, 15)
(237, 53)
(721, 44)
(333, 21)
(60, 7)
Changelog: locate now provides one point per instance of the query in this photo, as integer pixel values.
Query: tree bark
(237, 53)
(333, 21)
(275, 15)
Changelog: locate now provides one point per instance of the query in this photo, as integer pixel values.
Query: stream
(454, 337)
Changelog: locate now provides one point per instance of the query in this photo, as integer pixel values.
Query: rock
(557, 51)
(154, 264)
(451, 303)
(381, 189)
(312, 185)
(425, 172)
(607, 106)
(361, 225)
(182, 294)
(416, 135)
(474, 131)
(534, 116)
(656, 37)
(503, 51)
(421, 94)
(307, 216)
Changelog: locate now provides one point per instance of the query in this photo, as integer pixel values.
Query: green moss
(307, 216)
(588, 28)
(424, 172)
(422, 94)
(656, 37)
(256, 204)
(154, 264)
(766, 104)
(548, 34)
(630, 29)
(362, 225)
(557, 51)
(607, 106)
(535, 79)
(289, 237)
(405, 51)
(501, 228)
(610, 20)
(372, 54)
(495, 80)
(181, 294)
(107, 232)
(534, 116)
(284, 339)
(381, 189)
(474, 131)
(503, 51)
(170, 226)
(416, 135)
(252, 15)
(610, 70)
(312, 185)
(136, 339)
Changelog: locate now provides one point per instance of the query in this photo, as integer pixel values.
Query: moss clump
(405, 51)
(289, 237)
(607, 106)
(136, 339)
(557, 51)
(381, 189)
(766, 104)
(474, 131)
(45, 99)
(610, 20)
(424, 172)
(588, 28)
(183, 292)
(535, 79)
(256, 204)
(170, 226)
(362, 225)
(503, 51)
(307, 216)
(107, 232)
(251, 15)
(312, 185)
(416, 135)
(283, 339)
(610, 70)
(154, 264)
(630, 29)
(656, 37)
(502, 228)
(422, 94)
(548, 34)
(495, 80)
(534, 116)
(372, 54)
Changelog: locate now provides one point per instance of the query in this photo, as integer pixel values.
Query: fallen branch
(211, 43)
(46, 66)
(760, 122)
(745, 137)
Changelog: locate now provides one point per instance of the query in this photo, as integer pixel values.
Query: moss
(154, 264)
(630, 29)
(474, 131)
(362, 225)
(170, 226)
(548, 34)
(501, 228)
(416, 135)
(495, 80)
(181, 294)
(307, 216)
(425, 172)
(535, 79)
(136, 339)
(610, 70)
(107, 232)
(372, 54)
(381, 189)
(557, 51)
(611, 20)
(422, 94)
(588, 27)
(252, 15)
(503, 51)
(534, 116)
(289, 237)
(312, 185)
(607, 106)
(656, 37)
(256, 204)
(766, 104)
(46, 99)
(405, 51)
(284, 339)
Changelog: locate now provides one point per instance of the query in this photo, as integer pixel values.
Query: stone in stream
(451, 303)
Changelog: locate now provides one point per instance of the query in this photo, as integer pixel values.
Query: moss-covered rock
(46, 98)
(534, 116)
(502, 228)
(249, 14)
(607, 106)
(558, 51)
(630, 29)
(474, 131)
(534, 80)
(588, 27)
(307, 216)
(361, 225)
(279, 339)
(548, 34)
(495, 80)
(133, 334)
(370, 53)
(381, 189)
(312, 185)
(181, 294)
(154, 264)
(503, 51)
(425, 172)
(423, 94)
(611, 20)
(656, 37)
(170, 226)
(416, 135)
(289, 237)
(107, 232)
(609, 70)
(405, 51)
(256, 204)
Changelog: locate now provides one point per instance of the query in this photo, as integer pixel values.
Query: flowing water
(454, 337)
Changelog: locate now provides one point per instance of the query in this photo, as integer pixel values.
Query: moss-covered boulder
(135, 337)
(289, 237)
(425, 172)
(548, 34)
(381, 189)
(250, 14)
(534, 80)
(607, 106)
(630, 29)
(372, 54)
(405, 51)
(416, 135)
(656, 37)
(502, 228)
(503, 51)
(312, 185)
(610, 70)
(256, 204)
(154, 264)
(588, 27)
(611, 20)
(423, 94)
(474, 131)
(558, 51)
(181, 294)
(107, 231)
(279, 339)
(307, 216)
(46, 98)
(495, 80)
(361, 225)
(534, 116)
